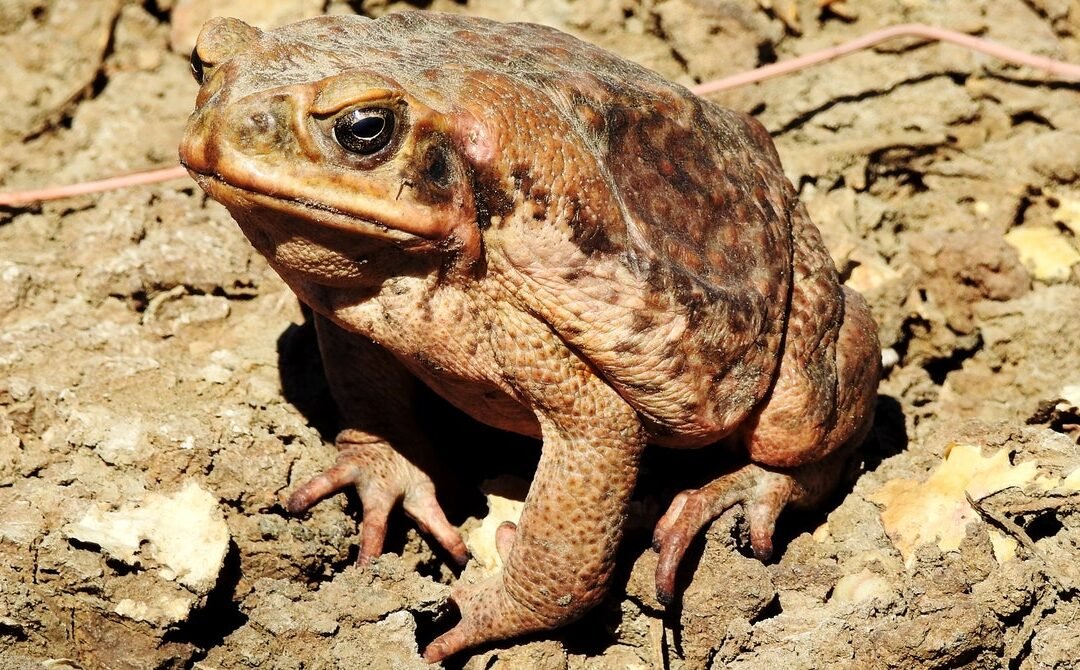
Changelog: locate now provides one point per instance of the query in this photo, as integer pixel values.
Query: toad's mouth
(239, 199)
(314, 246)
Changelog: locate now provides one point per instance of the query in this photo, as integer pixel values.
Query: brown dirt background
(144, 347)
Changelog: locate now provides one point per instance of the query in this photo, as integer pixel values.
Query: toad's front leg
(560, 559)
(380, 452)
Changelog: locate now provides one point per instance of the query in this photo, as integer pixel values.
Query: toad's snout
(256, 129)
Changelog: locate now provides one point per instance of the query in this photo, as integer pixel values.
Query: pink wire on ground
(1055, 68)
(19, 198)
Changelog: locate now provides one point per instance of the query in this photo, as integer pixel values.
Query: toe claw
(666, 570)
(458, 551)
(315, 489)
(762, 519)
(450, 540)
(306, 495)
(372, 536)
(504, 539)
(446, 645)
(762, 548)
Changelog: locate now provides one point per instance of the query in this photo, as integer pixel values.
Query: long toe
(343, 474)
(422, 506)
(762, 494)
(673, 535)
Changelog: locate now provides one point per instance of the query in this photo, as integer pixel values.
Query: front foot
(488, 613)
(382, 478)
(763, 495)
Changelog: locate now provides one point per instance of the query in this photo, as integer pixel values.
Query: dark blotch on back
(696, 197)
(490, 197)
(586, 232)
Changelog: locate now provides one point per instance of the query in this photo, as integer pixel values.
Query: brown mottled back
(686, 197)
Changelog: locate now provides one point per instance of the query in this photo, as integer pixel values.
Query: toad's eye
(196, 66)
(365, 131)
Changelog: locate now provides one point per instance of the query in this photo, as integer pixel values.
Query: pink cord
(19, 198)
(1055, 68)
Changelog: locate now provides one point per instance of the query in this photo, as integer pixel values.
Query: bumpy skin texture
(560, 243)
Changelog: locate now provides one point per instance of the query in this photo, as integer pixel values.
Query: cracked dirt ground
(159, 391)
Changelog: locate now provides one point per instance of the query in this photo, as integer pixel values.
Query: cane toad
(560, 243)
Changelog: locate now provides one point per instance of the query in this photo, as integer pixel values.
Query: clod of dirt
(54, 51)
(362, 619)
(1028, 353)
(542, 655)
(956, 272)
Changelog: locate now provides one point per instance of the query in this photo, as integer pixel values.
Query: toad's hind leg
(765, 488)
(820, 407)
(763, 492)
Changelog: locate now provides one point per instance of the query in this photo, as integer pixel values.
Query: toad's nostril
(264, 130)
(262, 122)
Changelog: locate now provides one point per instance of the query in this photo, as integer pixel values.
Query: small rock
(1045, 252)
(215, 374)
(162, 609)
(169, 312)
(21, 523)
(185, 531)
(14, 285)
(117, 440)
(121, 441)
(863, 585)
(505, 500)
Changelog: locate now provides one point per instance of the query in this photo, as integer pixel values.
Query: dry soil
(160, 391)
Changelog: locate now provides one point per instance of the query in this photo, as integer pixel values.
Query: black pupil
(367, 128)
(365, 131)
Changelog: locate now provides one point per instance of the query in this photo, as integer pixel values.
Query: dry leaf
(1046, 253)
(505, 500)
(918, 513)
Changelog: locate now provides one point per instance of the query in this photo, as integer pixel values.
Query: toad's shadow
(468, 451)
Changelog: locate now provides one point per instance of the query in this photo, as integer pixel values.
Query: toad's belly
(485, 402)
